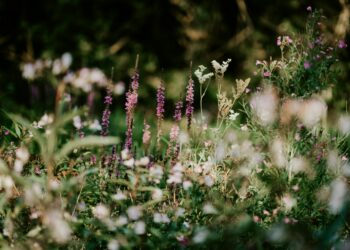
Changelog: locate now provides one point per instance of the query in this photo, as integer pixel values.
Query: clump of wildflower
(283, 41)
(189, 102)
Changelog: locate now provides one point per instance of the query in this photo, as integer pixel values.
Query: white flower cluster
(220, 69)
(85, 78)
(176, 174)
(44, 121)
(31, 71)
(199, 73)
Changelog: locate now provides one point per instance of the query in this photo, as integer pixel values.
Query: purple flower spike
(178, 112)
(189, 102)
(106, 114)
(160, 101)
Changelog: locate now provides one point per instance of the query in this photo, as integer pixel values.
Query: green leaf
(85, 142)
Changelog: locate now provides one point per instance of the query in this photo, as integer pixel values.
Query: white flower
(160, 218)
(312, 112)
(232, 116)
(288, 201)
(57, 67)
(344, 124)
(157, 194)
(134, 212)
(187, 185)
(200, 236)
(142, 162)
(338, 195)
(77, 122)
(139, 227)
(156, 173)
(28, 71)
(119, 88)
(125, 154)
(199, 73)
(95, 125)
(264, 106)
(119, 196)
(180, 212)
(44, 121)
(208, 208)
(129, 163)
(66, 60)
(220, 69)
(113, 245)
(208, 180)
(59, 228)
(100, 211)
(121, 221)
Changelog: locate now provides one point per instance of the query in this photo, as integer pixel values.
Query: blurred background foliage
(167, 34)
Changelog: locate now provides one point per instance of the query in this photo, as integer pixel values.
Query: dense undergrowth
(269, 170)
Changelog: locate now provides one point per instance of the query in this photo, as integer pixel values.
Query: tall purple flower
(131, 101)
(160, 101)
(178, 111)
(160, 110)
(189, 102)
(106, 114)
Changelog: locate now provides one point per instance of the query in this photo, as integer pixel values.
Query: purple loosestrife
(131, 101)
(106, 114)
(175, 129)
(160, 110)
(189, 102)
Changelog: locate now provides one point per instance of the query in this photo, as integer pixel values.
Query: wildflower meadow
(266, 166)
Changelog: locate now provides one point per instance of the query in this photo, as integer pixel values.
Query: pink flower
(307, 65)
(267, 74)
(178, 113)
(160, 101)
(146, 137)
(342, 44)
(309, 8)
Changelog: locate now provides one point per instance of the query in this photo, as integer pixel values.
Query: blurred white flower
(180, 212)
(28, 71)
(44, 121)
(339, 190)
(220, 151)
(134, 212)
(208, 208)
(95, 125)
(278, 154)
(157, 194)
(160, 218)
(288, 201)
(129, 163)
(58, 227)
(57, 67)
(142, 162)
(208, 180)
(119, 196)
(312, 112)
(121, 221)
(156, 173)
(264, 106)
(200, 236)
(187, 185)
(113, 245)
(344, 124)
(77, 122)
(66, 60)
(119, 88)
(139, 227)
(100, 211)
